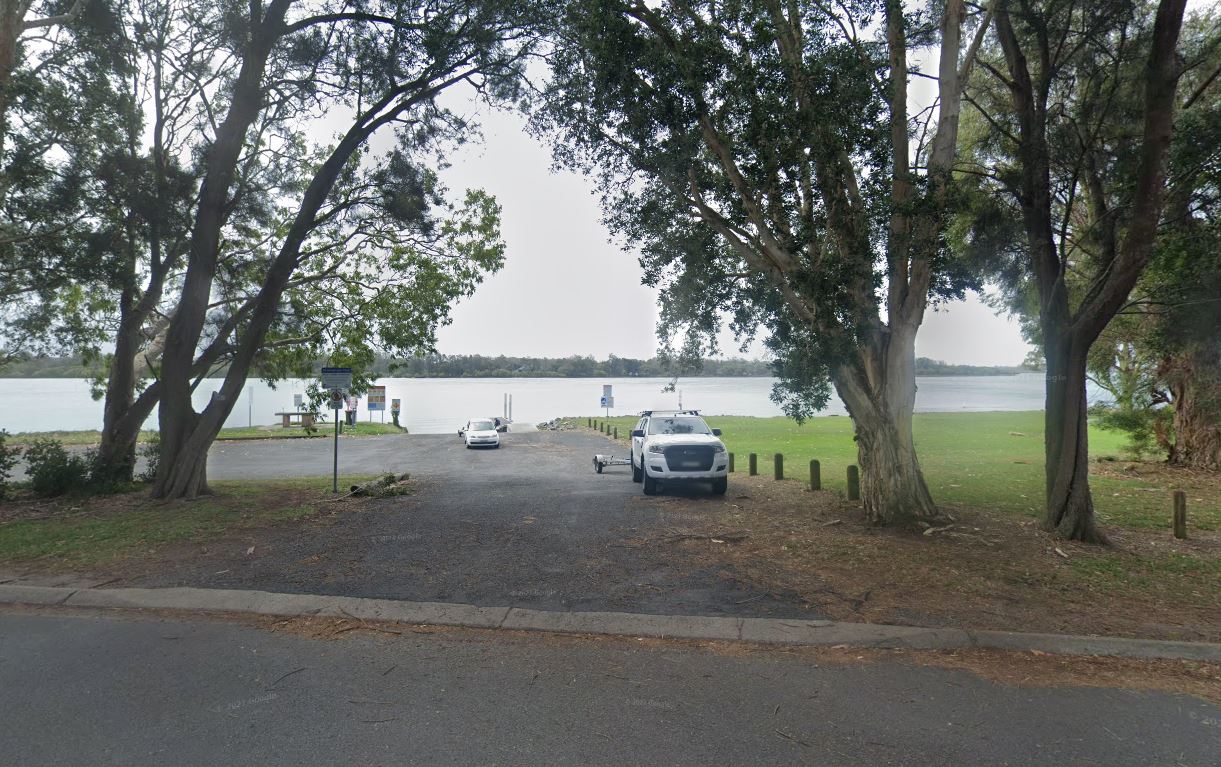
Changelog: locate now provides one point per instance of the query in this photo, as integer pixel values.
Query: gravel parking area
(529, 524)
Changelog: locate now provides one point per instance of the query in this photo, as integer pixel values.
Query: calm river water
(439, 405)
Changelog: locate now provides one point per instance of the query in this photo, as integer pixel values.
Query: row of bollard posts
(854, 474)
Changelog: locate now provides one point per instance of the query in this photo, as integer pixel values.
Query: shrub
(53, 470)
(1141, 425)
(151, 452)
(8, 459)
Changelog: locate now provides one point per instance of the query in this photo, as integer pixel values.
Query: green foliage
(9, 455)
(150, 451)
(754, 183)
(53, 470)
(1141, 425)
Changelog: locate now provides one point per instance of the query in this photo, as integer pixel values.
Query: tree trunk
(177, 417)
(1070, 507)
(1194, 380)
(116, 456)
(893, 490)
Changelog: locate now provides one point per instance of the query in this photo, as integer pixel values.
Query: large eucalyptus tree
(765, 160)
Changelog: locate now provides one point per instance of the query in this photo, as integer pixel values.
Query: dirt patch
(987, 571)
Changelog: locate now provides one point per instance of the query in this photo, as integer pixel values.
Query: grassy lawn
(324, 429)
(991, 461)
(89, 532)
(996, 568)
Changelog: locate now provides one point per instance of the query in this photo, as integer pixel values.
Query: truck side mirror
(637, 432)
(716, 432)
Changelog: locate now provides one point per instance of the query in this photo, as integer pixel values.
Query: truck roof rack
(646, 413)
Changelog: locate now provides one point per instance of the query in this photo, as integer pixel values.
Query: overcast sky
(566, 289)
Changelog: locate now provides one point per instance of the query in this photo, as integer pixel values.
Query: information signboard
(337, 378)
(377, 397)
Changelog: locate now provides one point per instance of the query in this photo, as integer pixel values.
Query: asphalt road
(78, 689)
(527, 525)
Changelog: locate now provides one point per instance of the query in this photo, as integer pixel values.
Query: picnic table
(302, 417)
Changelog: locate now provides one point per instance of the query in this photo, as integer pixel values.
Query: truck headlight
(656, 449)
(720, 448)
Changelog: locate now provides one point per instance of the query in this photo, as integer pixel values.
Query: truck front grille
(689, 457)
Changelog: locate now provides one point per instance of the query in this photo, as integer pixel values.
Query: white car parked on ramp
(480, 432)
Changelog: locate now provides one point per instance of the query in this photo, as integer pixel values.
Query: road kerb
(711, 628)
(630, 624)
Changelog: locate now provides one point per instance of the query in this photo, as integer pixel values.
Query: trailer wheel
(597, 466)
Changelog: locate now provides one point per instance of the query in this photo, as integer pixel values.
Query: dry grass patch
(988, 570)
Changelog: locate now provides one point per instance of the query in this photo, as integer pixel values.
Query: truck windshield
(678, 425)
(482, 426)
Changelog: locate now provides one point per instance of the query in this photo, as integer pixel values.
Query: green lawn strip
(322, 429)
(985, 461)
(67, 438)
(1177, 576)
(109, 528)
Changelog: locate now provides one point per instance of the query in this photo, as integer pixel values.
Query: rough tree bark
(893, 490)
(1194, 380)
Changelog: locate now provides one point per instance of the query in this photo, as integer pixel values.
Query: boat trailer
(602, 461)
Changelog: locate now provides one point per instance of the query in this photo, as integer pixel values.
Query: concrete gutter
(778, 631)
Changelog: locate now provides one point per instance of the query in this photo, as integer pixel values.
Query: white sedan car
(480, 432)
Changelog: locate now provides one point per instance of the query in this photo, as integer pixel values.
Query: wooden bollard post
(1180, 514)
(589, 423)
(731, 463)
(754, 464)
(854, 483)
(778, 465)
(815, 475)
(616, 432)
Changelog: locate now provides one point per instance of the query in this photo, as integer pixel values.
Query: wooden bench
(305, 419)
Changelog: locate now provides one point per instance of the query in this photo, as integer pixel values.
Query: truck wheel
(650, 484)
(637, 474)
(719, 486)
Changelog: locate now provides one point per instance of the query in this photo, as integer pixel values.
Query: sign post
(608, 398)
(338, 381)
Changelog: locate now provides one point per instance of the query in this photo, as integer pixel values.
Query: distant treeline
(928, 367)
(480, 366)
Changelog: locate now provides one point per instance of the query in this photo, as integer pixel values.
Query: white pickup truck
(678, 446)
